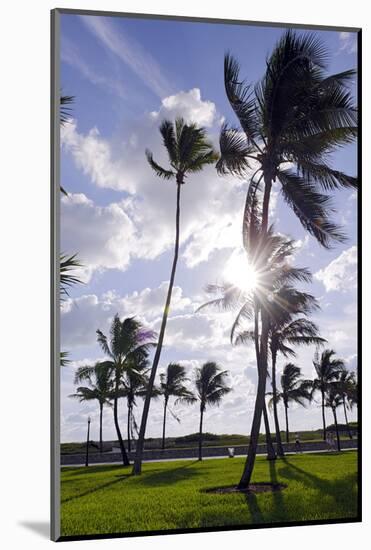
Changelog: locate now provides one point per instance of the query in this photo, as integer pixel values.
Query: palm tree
(328, 369)
(286, 330)
(346, 382)
(172, 384)
(66, 265)
(333, 399)
(211, 387)
(269, 256)
(293, 388)
(189, 152)
(64, 116)
(296, 116)
(99, 387)
(129, 344)
(134, 384)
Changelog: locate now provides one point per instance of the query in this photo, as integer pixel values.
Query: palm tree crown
(296, 115)
(187, 148)
(211, 384)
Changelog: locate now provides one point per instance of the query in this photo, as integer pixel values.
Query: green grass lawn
(168, 495)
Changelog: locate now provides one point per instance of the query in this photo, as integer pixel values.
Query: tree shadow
(41, 528)
(83, 470)
(254, 508)
(96, 489)
(168, 476)
(328, 487)
(278, 500)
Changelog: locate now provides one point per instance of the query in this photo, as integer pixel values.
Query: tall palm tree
(346, 381)
(328, 370)
(189, 152)
(99, 387)
(296, 116)
(173, 385)
(129, 344)
(269, 256)
(333, 400)
(293, 388)
(211, 387)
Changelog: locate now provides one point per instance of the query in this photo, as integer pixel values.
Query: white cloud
(208, 222)
(187, 105)
(103, 236)
(348, 42)
(82, 316)
(341, 273)
(130, 52)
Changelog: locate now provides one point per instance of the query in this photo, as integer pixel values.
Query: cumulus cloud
(341, 273)
(189, 106)
(103, 236)
(83, 315)
(208, 222)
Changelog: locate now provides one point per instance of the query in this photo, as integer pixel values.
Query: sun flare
(240, 272)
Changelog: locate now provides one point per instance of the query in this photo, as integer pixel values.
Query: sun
(240, 272)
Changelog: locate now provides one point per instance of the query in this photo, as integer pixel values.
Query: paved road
(193, 458)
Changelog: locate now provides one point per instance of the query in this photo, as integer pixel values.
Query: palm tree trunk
(323, 415)
(101, 427)
(346, 419)
(164, 425)
(280, 451)
(125, 459)
(258, 409)
(128, 427)
(271, 453)
(336, 428)
(262, 360)
(200, 435)
(287, 424)
(139, 453)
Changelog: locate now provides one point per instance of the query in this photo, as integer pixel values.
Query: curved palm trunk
(323, 414)
(287, 424)
(346, 419)
(336, 428)
(164, 425)
(280, 451)
(262, 360)
(258, 410)
(101, 427)
(125, 459)
(139, 453)
(200, 434)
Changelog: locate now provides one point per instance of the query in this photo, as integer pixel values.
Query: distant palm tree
(347, 382)
(211, 387)
(173, 385)
(99, 387)
(67, 279)
(189, 152)
(293, 388)
(333, 400)
(134, 384)
(290, 123)
(328, 369)
(129, 343)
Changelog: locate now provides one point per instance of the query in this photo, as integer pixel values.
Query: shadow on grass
(96, 489)
(335, 487)
(168, 476)
(254, 509)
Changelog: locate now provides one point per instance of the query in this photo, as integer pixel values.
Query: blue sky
(126, 76)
